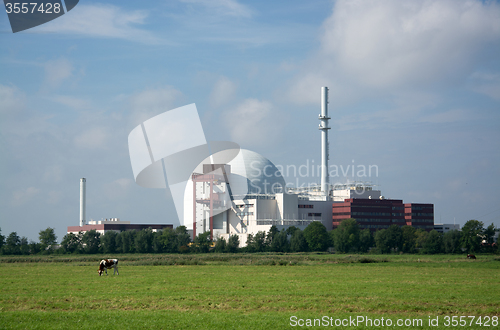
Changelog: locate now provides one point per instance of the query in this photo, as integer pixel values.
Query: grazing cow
(471, 256)
(106, 264)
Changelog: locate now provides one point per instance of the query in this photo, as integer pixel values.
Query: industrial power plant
(239, 192)
(248, 194)
(102, 226)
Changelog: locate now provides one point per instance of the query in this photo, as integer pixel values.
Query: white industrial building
(246, 196)
(246, 193)
(445, 227)
(106, 225)
(355, 190)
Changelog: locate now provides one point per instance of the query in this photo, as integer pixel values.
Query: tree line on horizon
(346, 238)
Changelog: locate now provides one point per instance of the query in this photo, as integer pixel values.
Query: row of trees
(91, 242)
(348, 237)
(472, 238)
(143, 241)
(13, 244)
(313, 238)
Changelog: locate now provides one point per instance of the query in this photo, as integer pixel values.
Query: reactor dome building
(240, 192)
(246, 195)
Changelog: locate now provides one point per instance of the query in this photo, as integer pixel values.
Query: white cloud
(54, 197)
(123, 183)
(93, 138)
(252, 122)
(151, 102)
(57, 71)
(222, 92)
(71, 101)
(411, 107)
(386, 43)
(487, 84)
(21, 196)
(393, 44)
(117, 189)
(19, 120)
(106, 21)
(224, 7)
(449, 116)
(229, 22)
(11, 100)
(53, 173)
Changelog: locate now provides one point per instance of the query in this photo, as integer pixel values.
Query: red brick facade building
(375, 214)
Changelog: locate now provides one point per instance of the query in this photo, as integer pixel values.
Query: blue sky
(414, 90)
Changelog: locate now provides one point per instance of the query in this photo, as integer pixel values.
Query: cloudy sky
(414, 90)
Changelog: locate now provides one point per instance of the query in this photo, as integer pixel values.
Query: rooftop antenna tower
(323, 127)
(82, 201)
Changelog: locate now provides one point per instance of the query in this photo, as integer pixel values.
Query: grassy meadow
(246, 291)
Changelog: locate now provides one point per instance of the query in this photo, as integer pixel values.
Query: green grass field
(247, 291)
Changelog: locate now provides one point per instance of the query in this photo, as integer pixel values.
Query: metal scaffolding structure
(211, 194)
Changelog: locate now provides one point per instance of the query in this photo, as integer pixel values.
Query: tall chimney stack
(323, 126)
(82, 201)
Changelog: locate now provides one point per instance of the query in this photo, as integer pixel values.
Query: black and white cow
(106, 264)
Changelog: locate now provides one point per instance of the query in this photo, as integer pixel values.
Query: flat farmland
(250, 292)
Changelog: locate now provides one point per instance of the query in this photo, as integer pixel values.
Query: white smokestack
(323, 126)
(82, 201)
